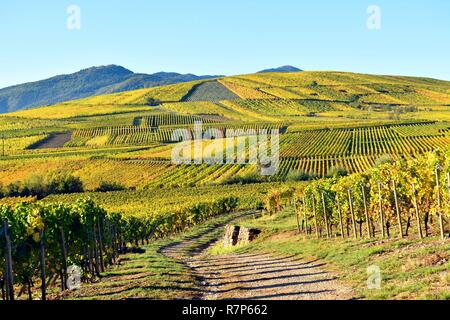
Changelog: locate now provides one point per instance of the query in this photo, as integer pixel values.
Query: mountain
(88, 82)
(281, 69)
(139, 81)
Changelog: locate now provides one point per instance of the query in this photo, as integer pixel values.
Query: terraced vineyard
(363, 141)
(320, 166)
(168, 119)
(327, 120)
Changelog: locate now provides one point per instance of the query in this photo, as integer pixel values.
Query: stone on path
(239, 235)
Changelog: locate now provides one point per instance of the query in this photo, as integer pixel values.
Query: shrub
(109, 186)
(41, 186)
(247, 178)
(58, 183)
(335, 172)
(313, 84)
(36, 186)
(12, 190)
(272, 202)
(299, 175)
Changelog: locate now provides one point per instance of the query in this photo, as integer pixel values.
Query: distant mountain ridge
(281, 69)
(84, 83)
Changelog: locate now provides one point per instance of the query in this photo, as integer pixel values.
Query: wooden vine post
(90, 251)
(380, 201)
(42, 263)
(304, 215)
(350, 204)
(397, 210)
(9, 279)
(416, 207)
(100, 246)
(325, 215)
(3, 145)
(341, 225)
(95, 248)
(110, 242)
(115, 246)
(448, 182)
(296, 214)
(366, 213)
(86, 251)
(315, 217)
(64, 258)
(439, 205)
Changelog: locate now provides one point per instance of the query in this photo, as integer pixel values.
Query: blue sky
(223, 37)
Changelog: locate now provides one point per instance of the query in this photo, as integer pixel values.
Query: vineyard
(396, 198)
(360, 156)
(170, 119)
(145, 135)
(39, 241)
(364, 141)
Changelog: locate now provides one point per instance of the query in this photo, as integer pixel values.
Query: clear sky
(223, 37)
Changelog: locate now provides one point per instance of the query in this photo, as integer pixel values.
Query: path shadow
(269, 278)
(285, 295)
(241, 265)
(206, 264)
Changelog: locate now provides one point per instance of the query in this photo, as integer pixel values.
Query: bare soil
(212, 91)
(56, 140)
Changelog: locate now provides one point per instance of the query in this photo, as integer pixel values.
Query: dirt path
(254, 276)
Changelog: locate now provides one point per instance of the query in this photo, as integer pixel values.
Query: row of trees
(389, 198)
(40, 186)
(39, 242)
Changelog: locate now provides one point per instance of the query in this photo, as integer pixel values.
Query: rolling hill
(269, 97)
(88, 82)
(357, 131)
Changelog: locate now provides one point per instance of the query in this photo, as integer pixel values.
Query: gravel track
(254, 275)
